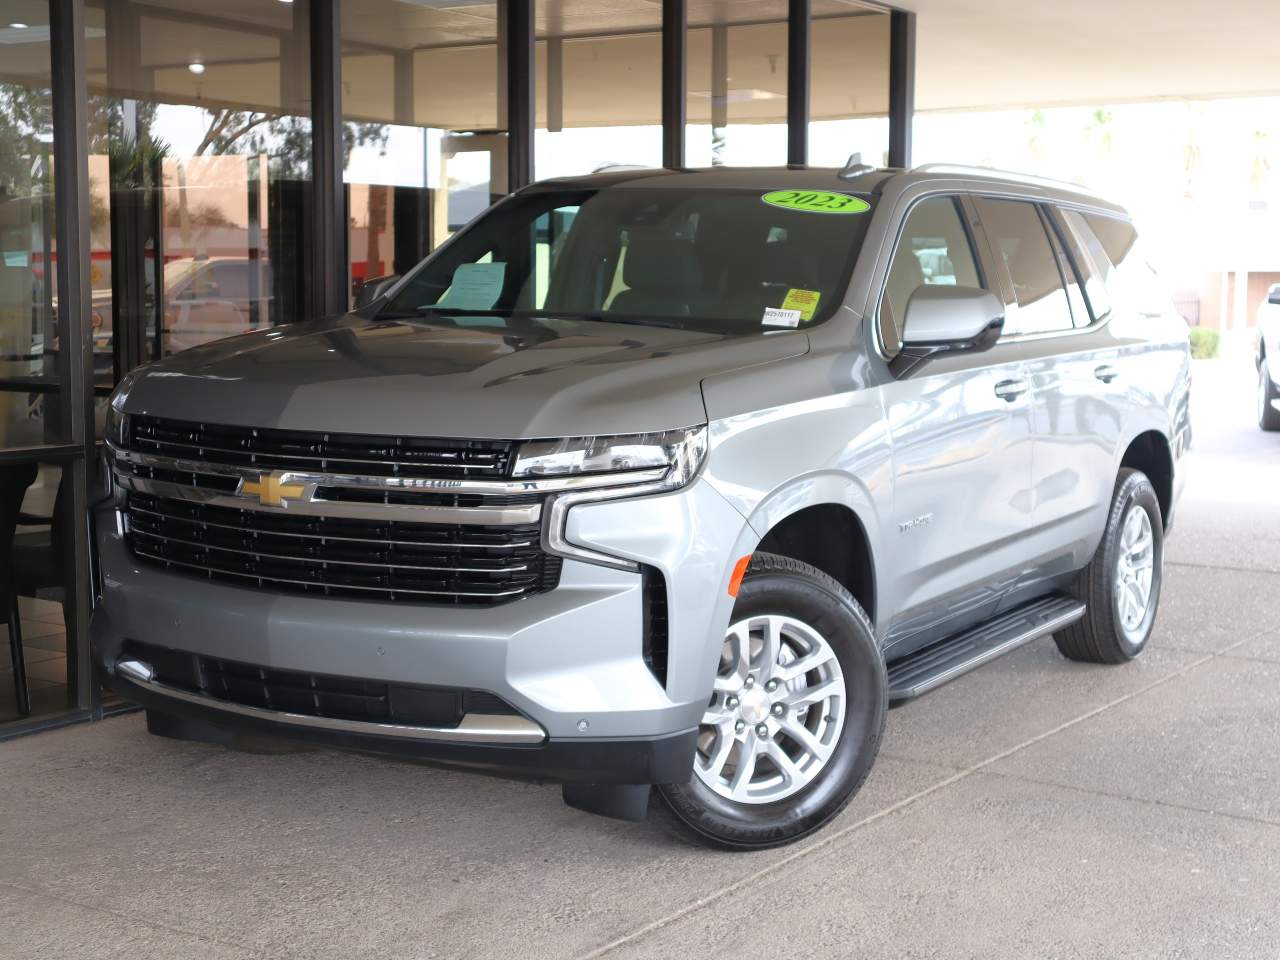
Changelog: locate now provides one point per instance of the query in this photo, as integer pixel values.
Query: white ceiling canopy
(992, 54)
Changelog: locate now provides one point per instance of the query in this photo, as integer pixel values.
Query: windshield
(718, 260)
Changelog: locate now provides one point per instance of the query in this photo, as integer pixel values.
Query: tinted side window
(1018, 237)
(1132, 284)
(1091, 257)
(1116, 236)
(934, 248)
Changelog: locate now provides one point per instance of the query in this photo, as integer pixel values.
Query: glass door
(38, 644)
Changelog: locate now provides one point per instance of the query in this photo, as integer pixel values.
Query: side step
(935, 665)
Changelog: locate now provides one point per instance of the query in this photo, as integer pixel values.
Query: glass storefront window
(423, 140)
(849, 84)
(200, 153)
(598, 87)
(38, 646)
(737, 99)
(29, 331)
(37, 665)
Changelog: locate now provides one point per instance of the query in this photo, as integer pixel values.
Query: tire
(1109, 631)
(1268, 415)
(816, 622)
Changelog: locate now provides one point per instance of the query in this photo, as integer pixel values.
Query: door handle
(1011, 390)
(1106, 373)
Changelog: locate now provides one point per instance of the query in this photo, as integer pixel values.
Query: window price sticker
(805, 301)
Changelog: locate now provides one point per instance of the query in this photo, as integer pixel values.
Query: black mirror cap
(913, 355)
(372, 289)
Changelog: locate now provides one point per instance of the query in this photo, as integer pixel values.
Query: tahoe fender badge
(906, 526)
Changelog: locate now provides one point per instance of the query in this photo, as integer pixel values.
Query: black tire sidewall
(833, 614)
(1134, 489)
(1268, 416)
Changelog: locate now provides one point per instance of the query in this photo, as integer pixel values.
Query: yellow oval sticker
(816, 201)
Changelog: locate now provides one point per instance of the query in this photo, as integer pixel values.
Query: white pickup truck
(1269, 360)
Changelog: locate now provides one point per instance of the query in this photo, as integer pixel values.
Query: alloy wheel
(1135, 568)
(776, 713)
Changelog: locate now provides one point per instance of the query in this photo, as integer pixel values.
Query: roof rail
(998, 174)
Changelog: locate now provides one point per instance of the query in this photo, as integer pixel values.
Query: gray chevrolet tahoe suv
(659, 482)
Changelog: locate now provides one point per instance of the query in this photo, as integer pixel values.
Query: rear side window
(1131, 284)
(1018, 237)
(1091, 257)
(934, 248)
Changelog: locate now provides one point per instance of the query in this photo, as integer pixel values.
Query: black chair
(14, 481)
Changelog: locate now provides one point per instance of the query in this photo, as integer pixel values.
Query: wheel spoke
(814, 694)
(786, 766)
(805, 738)
(714, 765)
(1139, 597)
(771, 647)
(798, 668)
(746, 769)
(739, 641)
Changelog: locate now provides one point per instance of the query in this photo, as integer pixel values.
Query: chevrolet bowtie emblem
(271, 490)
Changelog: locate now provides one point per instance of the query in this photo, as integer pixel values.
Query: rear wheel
(795, 719)
(1121, 585)
(1268, 395)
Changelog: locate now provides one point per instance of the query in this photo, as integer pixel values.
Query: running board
(935, 665)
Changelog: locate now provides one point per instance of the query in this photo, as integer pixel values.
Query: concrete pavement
(1035, 808)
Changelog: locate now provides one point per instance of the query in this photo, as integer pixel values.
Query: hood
(409, 378)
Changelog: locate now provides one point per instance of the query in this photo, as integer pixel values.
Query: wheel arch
(829, 524)
(1151, 453)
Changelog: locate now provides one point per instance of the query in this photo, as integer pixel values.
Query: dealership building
(173, 172)
(225, 168)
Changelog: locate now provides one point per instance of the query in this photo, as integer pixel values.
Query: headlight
(679, 452)
(624, 466)
(117, 426)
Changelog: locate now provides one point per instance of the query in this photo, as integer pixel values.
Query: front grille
(342, 557)
(316, 695)
(368, 455)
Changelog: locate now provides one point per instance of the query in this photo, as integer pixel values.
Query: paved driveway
(1036, 808)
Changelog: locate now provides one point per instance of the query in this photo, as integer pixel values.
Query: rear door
(961, 434)
(1074, 370)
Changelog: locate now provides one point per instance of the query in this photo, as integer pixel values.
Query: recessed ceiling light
(19, 26)
(197, 68)
(286, 1)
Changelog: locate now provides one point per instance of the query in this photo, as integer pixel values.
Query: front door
(961, 433)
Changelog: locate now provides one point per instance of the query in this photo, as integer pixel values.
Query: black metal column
(798, 82)
(675, 80)
(902, 85)
(327, 286)
(520, 103)
(71, 220)
(128, 200)
(719, 91)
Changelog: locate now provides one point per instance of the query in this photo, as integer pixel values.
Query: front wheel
(795, 719)
(1268, 398)
(1121, 585)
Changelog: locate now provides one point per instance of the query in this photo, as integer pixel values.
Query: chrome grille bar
(389, 565)
(488, 595)
(326, 537)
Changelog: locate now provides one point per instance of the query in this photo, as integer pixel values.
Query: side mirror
(1273, 295)
(948, 319)
(374, 288)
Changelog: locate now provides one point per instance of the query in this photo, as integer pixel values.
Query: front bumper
(569, 660)
(665, 759)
